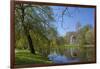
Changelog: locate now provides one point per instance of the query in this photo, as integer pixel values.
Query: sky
(82, 15)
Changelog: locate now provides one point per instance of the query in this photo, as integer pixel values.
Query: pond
(57, 58)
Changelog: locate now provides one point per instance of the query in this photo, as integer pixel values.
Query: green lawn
(25, 57)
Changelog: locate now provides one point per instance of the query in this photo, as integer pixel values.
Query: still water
(57, 58)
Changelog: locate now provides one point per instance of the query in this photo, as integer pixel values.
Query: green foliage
(90, 37)
(36, 21)
(22, 43)
(86, 35)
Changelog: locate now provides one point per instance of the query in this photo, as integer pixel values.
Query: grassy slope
(25, 57)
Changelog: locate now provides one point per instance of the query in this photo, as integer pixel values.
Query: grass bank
(25, 57)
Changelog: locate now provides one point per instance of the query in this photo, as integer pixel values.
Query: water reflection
(57, 58)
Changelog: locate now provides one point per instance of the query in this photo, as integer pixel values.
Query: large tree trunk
(32, 50)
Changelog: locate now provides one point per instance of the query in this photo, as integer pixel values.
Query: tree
(89, 36)
(86, 35)
(32, 18)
